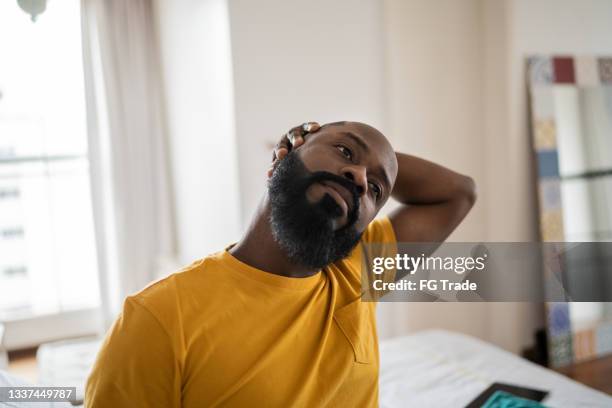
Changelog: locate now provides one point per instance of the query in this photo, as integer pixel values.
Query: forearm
(420, 181)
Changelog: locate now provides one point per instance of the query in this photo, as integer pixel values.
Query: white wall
(194, 40)
(433, 78)
(296, 61)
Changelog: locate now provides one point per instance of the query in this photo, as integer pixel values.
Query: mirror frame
(564, 345)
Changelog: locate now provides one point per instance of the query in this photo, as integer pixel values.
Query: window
(47, 250)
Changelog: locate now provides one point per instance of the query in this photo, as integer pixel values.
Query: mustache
(319, 176)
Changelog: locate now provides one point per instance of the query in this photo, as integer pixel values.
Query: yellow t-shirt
(222, 333)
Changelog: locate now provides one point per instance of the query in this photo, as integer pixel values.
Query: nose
(357, 174)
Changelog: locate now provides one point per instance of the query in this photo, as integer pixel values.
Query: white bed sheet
(444, 369)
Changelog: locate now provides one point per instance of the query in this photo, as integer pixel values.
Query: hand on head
(291, 140)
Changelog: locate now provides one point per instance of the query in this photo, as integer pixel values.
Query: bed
(428, 369)
(445, 369)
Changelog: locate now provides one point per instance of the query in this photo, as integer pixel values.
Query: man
(276, 319)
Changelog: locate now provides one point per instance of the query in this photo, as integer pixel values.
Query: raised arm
(435, 200)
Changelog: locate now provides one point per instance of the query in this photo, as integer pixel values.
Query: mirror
(571, 127)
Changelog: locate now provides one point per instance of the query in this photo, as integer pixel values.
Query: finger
(292, 139)
(298, 141)
(282, 147)
(273, 166)
(296, 134)
(281, 153)
(311, 127)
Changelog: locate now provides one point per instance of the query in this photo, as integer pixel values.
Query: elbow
(467, 190)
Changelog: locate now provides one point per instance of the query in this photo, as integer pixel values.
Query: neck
(259, 249)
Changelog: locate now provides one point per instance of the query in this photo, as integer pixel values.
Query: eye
(376, 189)
(345, 151)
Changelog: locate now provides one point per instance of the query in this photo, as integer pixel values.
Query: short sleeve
(377, 241)
(136, 365)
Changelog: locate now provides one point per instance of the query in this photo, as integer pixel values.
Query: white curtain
(127, 148)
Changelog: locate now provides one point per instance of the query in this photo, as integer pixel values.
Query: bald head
(373, 141)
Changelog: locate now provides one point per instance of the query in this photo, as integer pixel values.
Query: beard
(305, 230)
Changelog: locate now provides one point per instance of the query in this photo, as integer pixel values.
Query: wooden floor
(595, 373)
